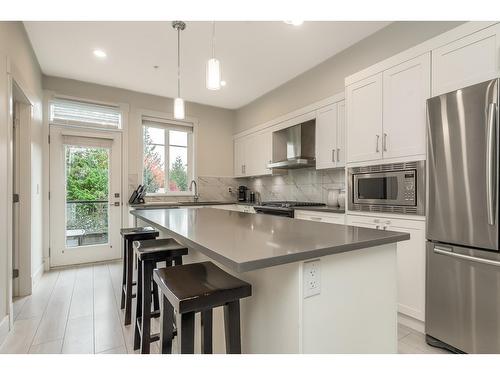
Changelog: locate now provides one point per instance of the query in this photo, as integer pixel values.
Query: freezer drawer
(463, 297)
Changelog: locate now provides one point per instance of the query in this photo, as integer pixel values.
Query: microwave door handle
(491, 163)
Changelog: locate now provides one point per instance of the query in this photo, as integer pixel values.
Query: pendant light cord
(178, 63)
(213, 39)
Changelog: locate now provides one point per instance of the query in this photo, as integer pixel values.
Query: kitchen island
(352, 310)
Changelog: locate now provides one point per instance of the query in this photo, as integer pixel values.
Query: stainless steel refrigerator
(463, 249)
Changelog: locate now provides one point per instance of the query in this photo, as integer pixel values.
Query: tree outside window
(165, 147)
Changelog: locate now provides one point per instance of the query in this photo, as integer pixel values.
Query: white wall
(23, 67)
(327, 78)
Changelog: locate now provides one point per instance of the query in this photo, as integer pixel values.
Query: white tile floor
(77, 310)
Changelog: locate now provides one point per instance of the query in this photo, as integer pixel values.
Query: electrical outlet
(312, 278)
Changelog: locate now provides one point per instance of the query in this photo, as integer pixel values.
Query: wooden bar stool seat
(130, 235)
(199, 287)
(149, 253)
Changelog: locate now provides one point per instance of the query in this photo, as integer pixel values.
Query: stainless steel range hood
(294, 147)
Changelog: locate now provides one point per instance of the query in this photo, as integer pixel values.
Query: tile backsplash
(308, 185)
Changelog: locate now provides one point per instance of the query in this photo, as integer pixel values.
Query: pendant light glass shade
(213, 74)
(179, 112)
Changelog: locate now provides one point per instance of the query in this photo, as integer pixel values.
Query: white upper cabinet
(258, 154)
(252, 154)
(466, 61)
(326, 136)
(330, 136)
(406, 88)
(239, 157)
(341, 151)
(386, 113)
(364, 119)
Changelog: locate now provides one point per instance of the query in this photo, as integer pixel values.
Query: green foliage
(87, 174)
(87, 179)
(178, 174)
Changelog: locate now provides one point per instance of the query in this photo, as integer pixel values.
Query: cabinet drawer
(325, 217)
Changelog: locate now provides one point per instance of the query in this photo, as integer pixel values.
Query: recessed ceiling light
(294, 23)
(100, 53)
(223, 83)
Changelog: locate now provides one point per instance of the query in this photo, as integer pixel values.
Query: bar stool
(199, 287)
(149, 253)
(130, 235)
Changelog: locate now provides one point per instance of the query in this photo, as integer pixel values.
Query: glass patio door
(85, 196)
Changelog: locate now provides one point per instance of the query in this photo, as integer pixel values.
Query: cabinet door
(341, 152)
(466, 61)
(257, 154)
(239, 156)
(411, 267)
(364, 119)
(406, 89)
(326, 137)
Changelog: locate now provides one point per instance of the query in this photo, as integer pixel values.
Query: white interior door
(85, 196)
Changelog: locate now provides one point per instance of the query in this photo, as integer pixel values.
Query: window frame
(121, 108)
(147, 120)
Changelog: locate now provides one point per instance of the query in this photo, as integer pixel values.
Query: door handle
(449, 252)
(338, 154)
(333, 155)
(491, 163)
(384, 142)
(376, 149)
(115, 204)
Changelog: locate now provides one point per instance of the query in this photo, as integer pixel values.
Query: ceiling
(256, 57)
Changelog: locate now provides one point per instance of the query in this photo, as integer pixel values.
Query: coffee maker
(242, 193)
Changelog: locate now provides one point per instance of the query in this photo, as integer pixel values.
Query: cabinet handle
(242, 168)
(378, 137)
(384, 142)
(338, 154)
(333, 155)
(315, 218)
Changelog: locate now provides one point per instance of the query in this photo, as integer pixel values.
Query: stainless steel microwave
(398, 188)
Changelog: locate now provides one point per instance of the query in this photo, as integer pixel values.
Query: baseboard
(37, 275)
(4, 328)
(413, 323)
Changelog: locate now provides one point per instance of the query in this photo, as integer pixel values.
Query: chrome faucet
(195, 197)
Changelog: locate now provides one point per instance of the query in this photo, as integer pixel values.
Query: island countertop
(245, 242)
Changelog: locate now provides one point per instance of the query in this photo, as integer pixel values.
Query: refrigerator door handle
(491, 163)
(449, 252)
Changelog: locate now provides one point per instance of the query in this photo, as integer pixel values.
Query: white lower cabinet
(411, 260)
(325, 217)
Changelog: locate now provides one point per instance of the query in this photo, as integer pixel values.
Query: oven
(397, 188)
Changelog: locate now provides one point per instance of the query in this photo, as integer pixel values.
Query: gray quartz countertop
(245, 242)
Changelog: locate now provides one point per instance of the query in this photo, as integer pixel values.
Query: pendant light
(179, 112)
(213, 66)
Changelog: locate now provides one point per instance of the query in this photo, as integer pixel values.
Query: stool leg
(138, 308)
(232, 327)
(156, 300)
(147, 273)
(185, 334)
(124, 274)
(128, 287)
(166, 326)
(206, 332)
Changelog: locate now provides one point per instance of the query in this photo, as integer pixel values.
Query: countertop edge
(279, 260)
